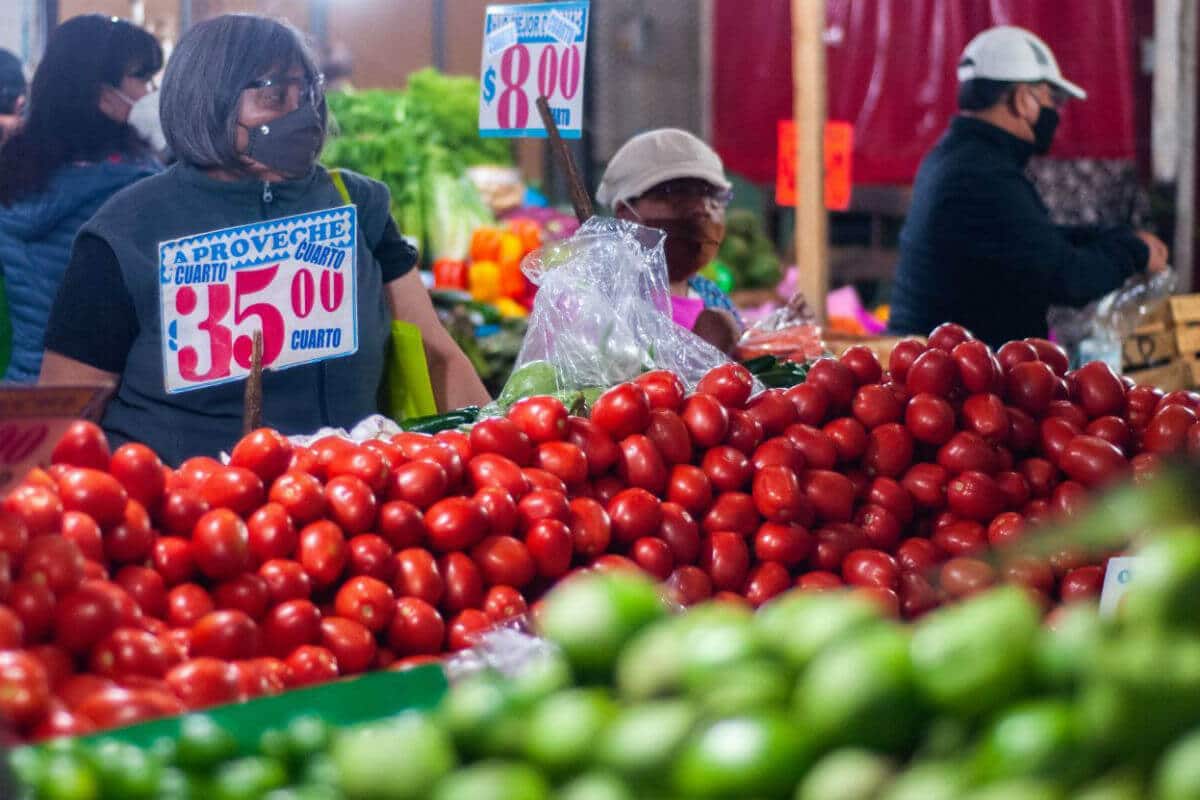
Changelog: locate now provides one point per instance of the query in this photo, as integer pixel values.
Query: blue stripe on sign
(539, 133)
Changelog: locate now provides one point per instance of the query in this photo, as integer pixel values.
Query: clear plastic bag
(1096, 331)
(790, 330)
(602, 314)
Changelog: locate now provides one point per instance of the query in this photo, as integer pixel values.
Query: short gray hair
(212, 65)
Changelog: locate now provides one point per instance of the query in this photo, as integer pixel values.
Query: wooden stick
(808, 110)
(252, 416)
(579, 195)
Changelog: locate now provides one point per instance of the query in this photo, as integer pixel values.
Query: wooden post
(580, 198)
(1184, 252)
(808, 110)
(252, 402)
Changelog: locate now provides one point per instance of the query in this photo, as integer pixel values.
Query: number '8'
(563, 74)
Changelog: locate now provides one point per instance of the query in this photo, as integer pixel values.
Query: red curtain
(891, 72)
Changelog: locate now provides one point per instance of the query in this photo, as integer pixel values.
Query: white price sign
(1117, 576)
(531, 51)
(293, 278)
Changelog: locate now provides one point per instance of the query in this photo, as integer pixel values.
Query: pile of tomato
(130, 590)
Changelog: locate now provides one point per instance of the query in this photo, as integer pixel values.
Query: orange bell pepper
(485, 244)
(529, 232)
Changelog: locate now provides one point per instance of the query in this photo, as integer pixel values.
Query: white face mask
(143, 117)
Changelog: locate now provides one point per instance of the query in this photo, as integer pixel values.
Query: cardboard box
(1148, 349)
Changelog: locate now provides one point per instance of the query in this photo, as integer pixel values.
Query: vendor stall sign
(839, 159)
(34, 418)
(532, 51)
(1118, 575)
(293, 278)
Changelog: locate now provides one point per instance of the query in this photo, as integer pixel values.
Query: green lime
(1035, 739)
(308, 735)
(393, 760)
(749, 756)
(564, 728)
(847, 775)
(1019, 789)
(542, 676)
(493, 780)
(975, 657)
(595, 786)
(1178, 774)
(860, 692)
(248, 778)
(203, 744)
(175, 784)
(652, 663)
(304, 793)
(931, 780)
(532, 379)
(800, 625)
(481, 716)
(27, 765)
(66, 776)
(643, 739)
(593, 616)
(1063, 654)
(743, 687)
(320, 770)
(126, 771)
(716, 635)
(1117, 786)
(1166, 585)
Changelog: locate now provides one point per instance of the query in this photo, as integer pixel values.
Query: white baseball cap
(657, 156)
(1009, 53)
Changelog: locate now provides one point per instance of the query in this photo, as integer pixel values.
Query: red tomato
(918, 555)
(326, 449)
(670, 436)
(778, 496)
(248, 593)
(260, 677)
(903, 355)
(1141, 402)
(727, 468)
(811, 403)
(82, 445)
(95, 493)
(779, 451)
(968, 451)
(849, 438)
(889, 494)
(495, 470)
(830, 494)
(598, 447)
(301, 495)
(960, 538)
(1167, 431)
(456, 523)
(1051, 354)
(502, 437)
(1015, 488)
(54, 561)
(1031, 572)
(730, 384)
(949, 335)
(550, 544)
(788, 545)
(889, 451)
(230, 635)
(352, 645)
(1092, 461)
(622, 411)
(961, 577)
(1081, 583)
(978, 369)
(140, 471)
(504, 560)
(976, 496)
(591, 529)
(1023, 431)
(681, 533)
(689, 585)
(291, 624)
(634, 513)
(1040, 474)
(773, 411)
(765, 582)
(310, 665)
(540, 480)
(38, 508)
(498, 509)
(605, 489)
(113, 708)
(1193, 440)
(58, 722)
(83, 617)
(270, 533)
(733, 511)
(132, 539)
(862, 362)
(1031, 386)
(367, 601)
(265, 452)
(457, 441)
(370, 555)
(1006, 529)
(565, 461)
(1099, 390)
(1113, 430)
(402, 525)
(417, 628)
(819, 581)
(875, 405)
(1067, 559)
(706, 419)
(351, 504)
(146, 587)
(880, 526)
(726, 559)
(690, 487)
(186, 604)
(503, 603)
(204, 682)
(816, 446)
(421, 483)
(654, 556)
(126, 652)
(464, 630)
(221, 544)
(417, 575)
(322, 552)
(26, 694)
(871, 568)
(1065, 409)
(836, 379)
(286, 580)
(917, 595)
(987, 416)
(12, 630)
(14, 535)
(464, 583)
(933, 372)
(1013, 353)
(234, 488)
(663, 389)
(542, 419)
(77, 527)
(641, 465)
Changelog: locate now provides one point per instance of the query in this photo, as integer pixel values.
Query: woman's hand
(455, 382)
(718, 328)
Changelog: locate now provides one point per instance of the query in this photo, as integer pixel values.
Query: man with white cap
(978, 246)
(671, 180)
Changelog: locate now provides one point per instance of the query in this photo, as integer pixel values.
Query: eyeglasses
(274, 93)
(688, 188)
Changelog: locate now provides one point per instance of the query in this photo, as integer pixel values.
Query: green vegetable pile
(748, 252)
(419, 141)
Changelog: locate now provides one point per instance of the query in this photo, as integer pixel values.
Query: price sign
(34, 418)
(1118, 575)
(532, 51)
(838, 149)
(293, 278)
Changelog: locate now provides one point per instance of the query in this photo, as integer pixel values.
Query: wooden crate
(1174, 375)
(1156, 320)
(1193, 365)
(1187, 340)
(1185, 308)
(1148, 349)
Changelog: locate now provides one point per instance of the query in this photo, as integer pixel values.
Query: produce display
(748, 253)
(130, 590)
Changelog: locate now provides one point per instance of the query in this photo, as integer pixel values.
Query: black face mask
(1044, 128)
(290, 144)
(691, 244)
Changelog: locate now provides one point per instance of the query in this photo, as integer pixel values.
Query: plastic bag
(788, 331)
(1096, 331)
(602, 313)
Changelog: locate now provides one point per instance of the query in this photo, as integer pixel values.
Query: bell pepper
(485, 244)
(484, 280)
(449, 273)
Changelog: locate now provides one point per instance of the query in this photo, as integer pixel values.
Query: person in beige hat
(671, 180)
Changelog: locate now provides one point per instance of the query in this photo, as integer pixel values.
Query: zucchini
(436, 423)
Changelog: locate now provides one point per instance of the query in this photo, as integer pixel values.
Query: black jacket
(978, 247)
